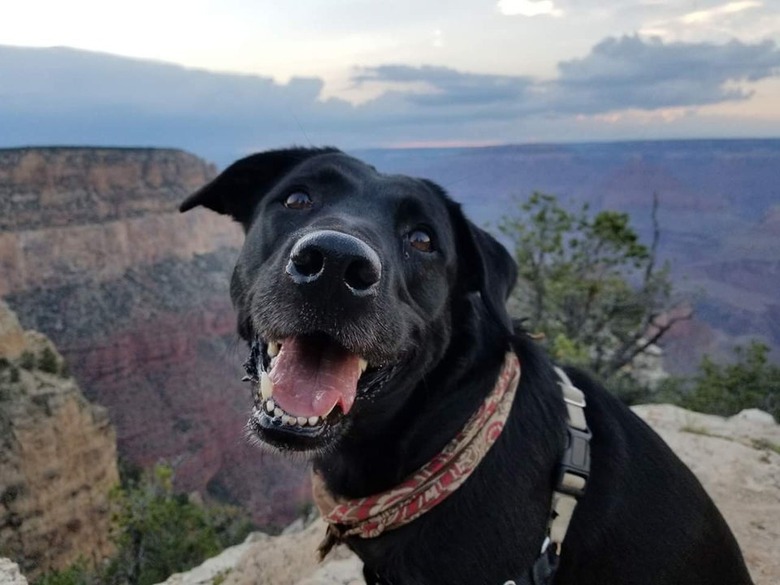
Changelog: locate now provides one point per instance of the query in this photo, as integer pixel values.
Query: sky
(230, 76)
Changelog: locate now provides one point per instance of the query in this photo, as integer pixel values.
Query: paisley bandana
(431, 484)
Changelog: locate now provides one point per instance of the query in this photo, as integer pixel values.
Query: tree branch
(624, 356)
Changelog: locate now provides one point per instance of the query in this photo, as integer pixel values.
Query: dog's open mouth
(306, 385)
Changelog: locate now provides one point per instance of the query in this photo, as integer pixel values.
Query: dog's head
(347, 286)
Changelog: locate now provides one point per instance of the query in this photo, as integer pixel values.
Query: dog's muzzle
(335, 262)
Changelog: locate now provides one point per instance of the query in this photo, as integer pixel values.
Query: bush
(159, 532)
(48, 361)
(78, 573)
(231, 524)
(27, 360)
(725, 389)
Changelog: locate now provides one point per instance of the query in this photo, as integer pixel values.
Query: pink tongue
(310, 377)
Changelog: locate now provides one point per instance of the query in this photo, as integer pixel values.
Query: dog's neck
(374, 459)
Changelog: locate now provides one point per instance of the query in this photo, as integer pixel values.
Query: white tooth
(278, 411)
(288, 420)
(363, 365)
(266, 386)
(302, 420)
(269, 406)
(273, 348)
(313, 420)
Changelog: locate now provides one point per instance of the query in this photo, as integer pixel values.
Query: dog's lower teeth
(287, 419)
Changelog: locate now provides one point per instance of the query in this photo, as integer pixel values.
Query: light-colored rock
(347, 571)
(738, 462)
(10, 574)
(283, 560)
(216, 568)
(755, 415)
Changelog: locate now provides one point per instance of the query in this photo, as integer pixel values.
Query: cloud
(448, 87)
(749, 20)
(528, 8)
(630, 72)
(64, 96)
(701, 16)
(627, 73)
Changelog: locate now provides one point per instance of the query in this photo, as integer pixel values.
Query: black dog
(376, 315)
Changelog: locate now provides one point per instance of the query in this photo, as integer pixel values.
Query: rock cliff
(94, 253)
(57, 457)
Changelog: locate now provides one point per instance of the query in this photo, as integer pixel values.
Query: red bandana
(431, 484)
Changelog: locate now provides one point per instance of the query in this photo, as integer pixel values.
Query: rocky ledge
(737, 459)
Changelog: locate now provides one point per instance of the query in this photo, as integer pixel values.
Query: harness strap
(575, 464)
(572, 479)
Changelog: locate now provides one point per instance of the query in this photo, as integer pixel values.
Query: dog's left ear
(485, 266)
(237, 190)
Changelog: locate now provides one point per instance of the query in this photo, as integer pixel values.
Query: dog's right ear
(238, 189)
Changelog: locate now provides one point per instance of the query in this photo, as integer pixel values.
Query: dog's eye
(298, 200)
(421, 240)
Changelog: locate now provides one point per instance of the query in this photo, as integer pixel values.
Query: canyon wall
(94, 253)
(57, 458)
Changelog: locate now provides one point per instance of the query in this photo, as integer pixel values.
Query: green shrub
(78, 573)
(159, 532)
(48, 361)
(27, 360)
(752, 381)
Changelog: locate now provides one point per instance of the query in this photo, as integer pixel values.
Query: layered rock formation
(94, 253)
(57, 457)
(71, 213)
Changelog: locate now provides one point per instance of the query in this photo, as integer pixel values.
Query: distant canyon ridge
(94, 254)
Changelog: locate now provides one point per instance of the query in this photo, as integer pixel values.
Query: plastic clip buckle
(575, 464)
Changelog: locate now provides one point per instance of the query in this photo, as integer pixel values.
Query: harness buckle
(574, 468)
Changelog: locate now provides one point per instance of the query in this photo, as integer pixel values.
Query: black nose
(334, 258)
